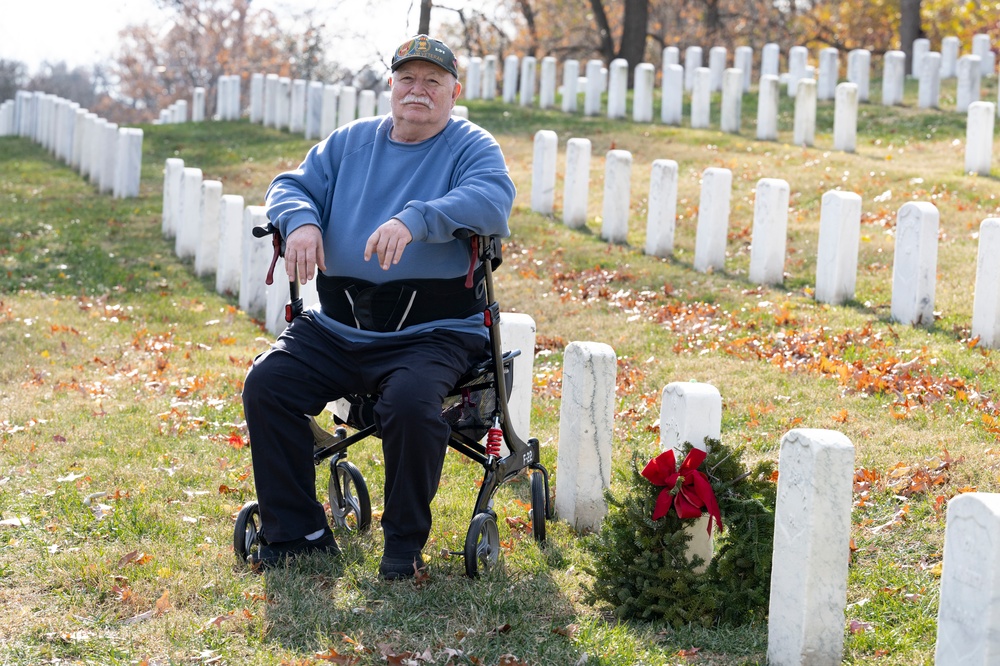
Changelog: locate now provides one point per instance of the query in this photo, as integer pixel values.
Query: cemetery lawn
(125, 457)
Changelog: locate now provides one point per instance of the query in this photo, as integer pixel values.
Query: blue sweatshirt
(358, 178)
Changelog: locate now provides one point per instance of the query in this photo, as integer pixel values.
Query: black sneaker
(398, 568)
(271, 555)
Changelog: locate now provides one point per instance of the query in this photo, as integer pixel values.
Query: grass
(124, 449)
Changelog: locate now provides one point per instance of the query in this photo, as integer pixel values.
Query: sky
(82, 32)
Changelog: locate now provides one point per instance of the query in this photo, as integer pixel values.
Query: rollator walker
(477, 411)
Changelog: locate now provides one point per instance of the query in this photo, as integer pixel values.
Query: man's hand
(388, 242)
(304, 253)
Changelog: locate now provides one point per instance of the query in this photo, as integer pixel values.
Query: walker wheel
(538, 503)
(246, 533)
(350, 503)
(482, 544)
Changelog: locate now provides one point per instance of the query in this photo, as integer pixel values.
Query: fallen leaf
(18, 521)
(859, 627)
(162, 604)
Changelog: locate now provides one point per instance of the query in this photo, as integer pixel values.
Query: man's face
(423, 96)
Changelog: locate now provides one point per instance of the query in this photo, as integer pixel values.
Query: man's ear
(456, 92)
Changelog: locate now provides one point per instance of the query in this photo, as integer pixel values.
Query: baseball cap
(423, 47)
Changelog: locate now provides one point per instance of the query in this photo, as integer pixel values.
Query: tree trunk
(634, 26)
(424, 28)
(529, 19)
(607, 45)
(909, 29)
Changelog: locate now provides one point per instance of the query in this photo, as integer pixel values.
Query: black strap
(399, 304)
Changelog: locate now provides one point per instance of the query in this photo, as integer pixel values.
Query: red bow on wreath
(686, 488)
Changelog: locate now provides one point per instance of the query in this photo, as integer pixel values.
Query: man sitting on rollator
(380, 212)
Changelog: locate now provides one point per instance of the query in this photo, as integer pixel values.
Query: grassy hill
(124, 454)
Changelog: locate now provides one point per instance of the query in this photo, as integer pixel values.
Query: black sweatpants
(308, 367)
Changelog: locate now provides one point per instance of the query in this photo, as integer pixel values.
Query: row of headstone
(109, 156)
(227, 103)
(311, 108)
(700, 82)
(914, 268)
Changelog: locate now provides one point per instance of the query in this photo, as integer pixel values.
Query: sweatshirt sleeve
(301, 196)
(481, 196)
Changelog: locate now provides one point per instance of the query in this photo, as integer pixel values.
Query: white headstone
(489, 88)
(692, 61)
(528, 81)
(283, 103)
(798, 61)
(767, 108)
(173, 171)
(662, 216)
(543, 171)
(257, 254)
(206, 257)
(257, 98)
(672, 102)
(271, 100)
(577, 183)
(837, 256)
(129, 163)
(893, 77)
(690, 412)
(642, 93)
(701, 99)
(473, 78)
(968, 621)
(617, 88)
(314, 110)
(595, 88)
(517, 331)
(804, 131)
(921, 47)
(914, 266)
(718, 58)
(510, 68)
(198, 105)
(859, 65)
(929, 89)
(586, 433)
(770, 57)
(713, 218)
(186, 242)
(109, 158)
(950, 47)
(743, 61)
(812, 538)
(671, 55)
(571, 75)
(986, 301)
(331, 102)
(967, 89)
(829, 73)
(979, 138)
(547, 84)
(981, 47)
(845, 117)
(366, 103)
(347, 105)
(617, 189)
(732, 100)
(230, 260)
(770, 230)
(297, 113)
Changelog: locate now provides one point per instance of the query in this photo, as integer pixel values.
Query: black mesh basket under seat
(468, 409)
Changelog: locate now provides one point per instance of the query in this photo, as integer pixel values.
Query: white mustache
(418, 99)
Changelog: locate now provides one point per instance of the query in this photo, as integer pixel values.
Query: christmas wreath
(640, 564)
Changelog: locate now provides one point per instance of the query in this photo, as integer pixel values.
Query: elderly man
(379, 213)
